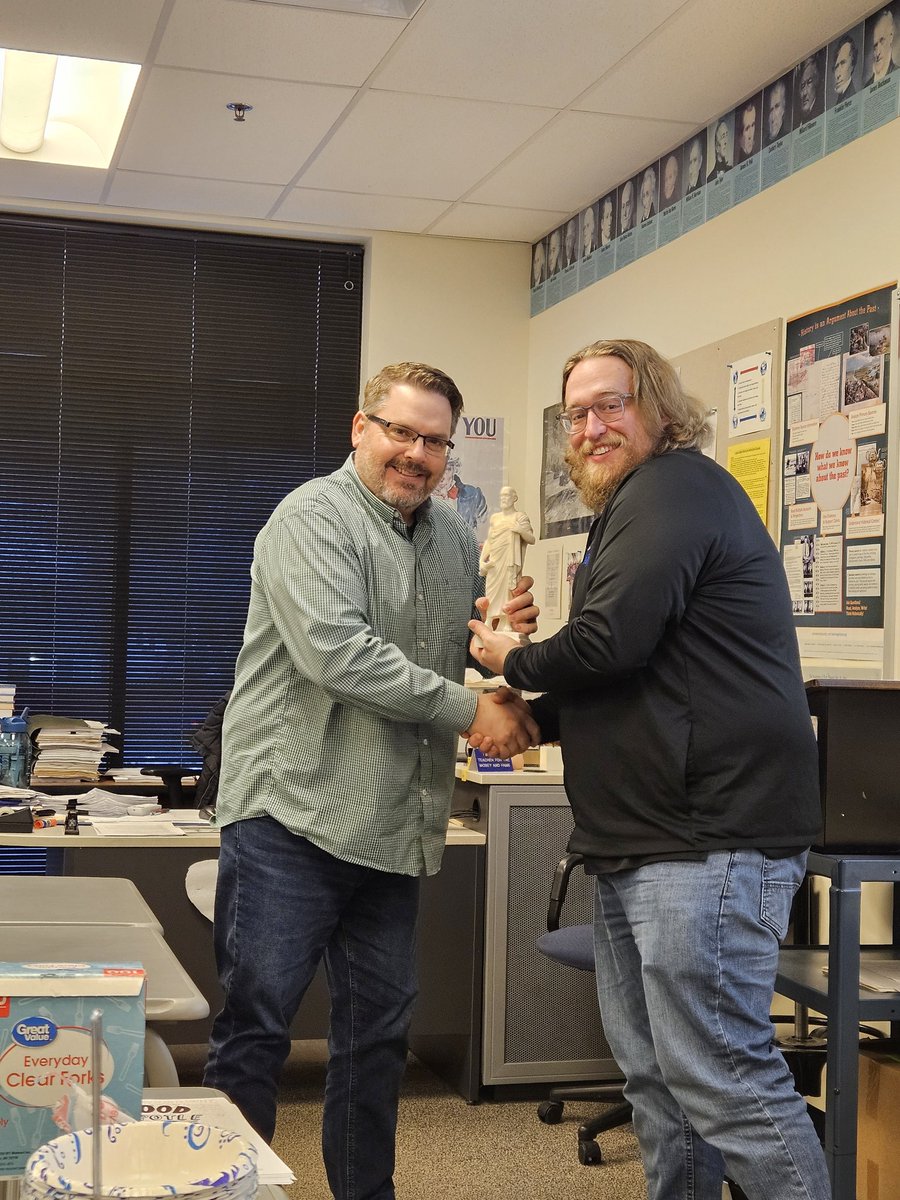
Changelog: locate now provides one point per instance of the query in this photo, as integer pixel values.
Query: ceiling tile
(424, 146)
(575, 159)
(276, 42)
(500, 224)
(49, 181)
(183, 127)
(402, 214)
(457, 129)
(381, 8)
(121, 30)
(171, 193)
(519, 51)
(659, 80)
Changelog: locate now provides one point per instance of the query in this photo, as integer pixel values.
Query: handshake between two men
(503, 724)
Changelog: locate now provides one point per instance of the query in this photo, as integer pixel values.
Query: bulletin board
(836, 466)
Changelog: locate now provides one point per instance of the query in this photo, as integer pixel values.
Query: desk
(839, 997)
(56, 838)
(489, 1008)
(171, 994)
(450, 924)
(58, 900)
(193, 839)
(123, 779)
(492, 1010)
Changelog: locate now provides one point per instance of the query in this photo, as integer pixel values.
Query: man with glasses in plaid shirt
(339, 747)
(691, 766)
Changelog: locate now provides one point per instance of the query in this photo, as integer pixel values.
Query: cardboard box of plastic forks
(46, 1064)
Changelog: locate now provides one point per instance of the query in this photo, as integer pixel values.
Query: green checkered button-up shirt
(348, 693)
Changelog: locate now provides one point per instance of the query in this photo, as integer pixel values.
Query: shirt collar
(379, 509)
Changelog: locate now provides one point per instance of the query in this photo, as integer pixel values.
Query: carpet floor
(447, 1149)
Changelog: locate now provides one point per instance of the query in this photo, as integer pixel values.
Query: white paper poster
(473, 476)
(553, 584)
(750, 395)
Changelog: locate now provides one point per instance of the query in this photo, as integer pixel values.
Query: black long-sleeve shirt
(675, 688)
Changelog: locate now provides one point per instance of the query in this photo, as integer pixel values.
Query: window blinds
(161, 391)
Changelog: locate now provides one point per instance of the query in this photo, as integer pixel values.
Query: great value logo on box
(46, 1065)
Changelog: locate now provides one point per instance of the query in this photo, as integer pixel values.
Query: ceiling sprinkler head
(239, 109)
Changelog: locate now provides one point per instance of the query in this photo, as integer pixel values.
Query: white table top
(71, 900)
(171, 993)
(56, 839)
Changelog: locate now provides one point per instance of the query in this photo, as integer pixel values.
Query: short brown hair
(680, 418)
(419, 375)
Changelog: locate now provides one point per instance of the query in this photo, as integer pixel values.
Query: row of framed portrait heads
(841, 91)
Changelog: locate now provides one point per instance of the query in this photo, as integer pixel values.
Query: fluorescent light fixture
(25, 105)
(62, 110)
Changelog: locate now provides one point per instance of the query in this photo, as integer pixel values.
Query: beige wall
(459, 305)
(829, 231)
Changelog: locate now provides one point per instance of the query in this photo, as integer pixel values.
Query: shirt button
(419, 596)
(424, 791)
(422, 645)
(424, 741)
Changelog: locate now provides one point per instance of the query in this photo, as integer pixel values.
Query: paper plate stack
(146, 1160)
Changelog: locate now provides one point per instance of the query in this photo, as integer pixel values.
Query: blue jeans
(281, 904)
(686, 954)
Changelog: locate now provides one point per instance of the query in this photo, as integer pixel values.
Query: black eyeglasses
(608, 408)
(408, 437)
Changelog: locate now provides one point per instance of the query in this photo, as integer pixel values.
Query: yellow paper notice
(748, 462)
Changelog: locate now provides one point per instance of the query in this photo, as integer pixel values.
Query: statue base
(518, 639)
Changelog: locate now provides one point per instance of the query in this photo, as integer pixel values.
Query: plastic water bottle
(15, 751)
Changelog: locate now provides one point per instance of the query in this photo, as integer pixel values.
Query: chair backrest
(559, 886)
(572, 945)
(200, 885)
(207, 740)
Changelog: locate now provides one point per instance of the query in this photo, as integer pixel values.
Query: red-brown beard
(594, 481)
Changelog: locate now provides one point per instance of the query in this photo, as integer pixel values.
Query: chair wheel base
(589, 1154)
(550, 1112)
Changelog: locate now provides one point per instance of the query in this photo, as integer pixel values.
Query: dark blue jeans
(281, 904)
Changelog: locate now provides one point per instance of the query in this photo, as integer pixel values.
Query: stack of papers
(878, 975)
(68, 748)
(7, 699)
(99, 803)
(14, 795)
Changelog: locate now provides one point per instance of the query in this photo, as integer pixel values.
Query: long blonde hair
(680, 417)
